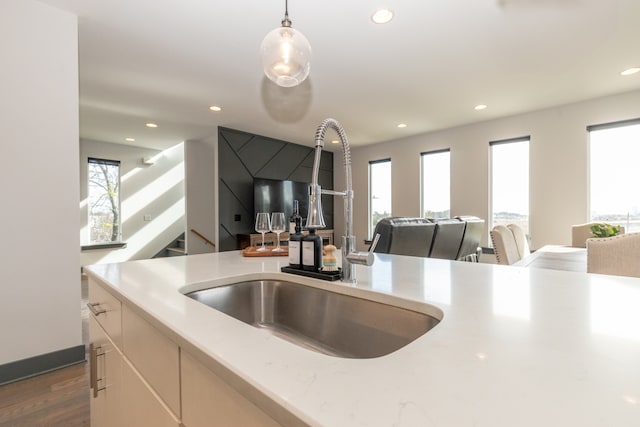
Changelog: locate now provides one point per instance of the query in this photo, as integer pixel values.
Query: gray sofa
(451, 238)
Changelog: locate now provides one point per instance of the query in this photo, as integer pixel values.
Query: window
(379, 191)
(104, 201)
(510, 182)
(435, 198)
(614, 150)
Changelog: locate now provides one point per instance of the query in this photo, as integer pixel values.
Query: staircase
(175, 248)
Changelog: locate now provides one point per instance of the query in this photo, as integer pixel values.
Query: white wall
(39, 274)
(201, 189)
(156, 190)
(558, 172)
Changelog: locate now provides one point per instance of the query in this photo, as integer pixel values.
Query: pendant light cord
(286, 22)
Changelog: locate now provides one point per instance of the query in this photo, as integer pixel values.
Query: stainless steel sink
(317, 319)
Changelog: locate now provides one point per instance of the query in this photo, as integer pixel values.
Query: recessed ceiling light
(130, 139)
(151, 125)
(402, 125)
(382, 16)
(335, 141)
(480, 107)
(630, 71)
(215, 108)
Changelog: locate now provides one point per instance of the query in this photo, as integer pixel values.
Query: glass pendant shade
(286, 56)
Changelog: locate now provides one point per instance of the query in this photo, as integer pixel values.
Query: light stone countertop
(515, 347)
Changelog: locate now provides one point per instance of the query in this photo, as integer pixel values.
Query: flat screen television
(274, 195)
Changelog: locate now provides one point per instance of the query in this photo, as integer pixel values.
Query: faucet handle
(364, 258)
(374, 243)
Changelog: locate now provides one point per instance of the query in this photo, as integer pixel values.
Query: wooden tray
(252, 251)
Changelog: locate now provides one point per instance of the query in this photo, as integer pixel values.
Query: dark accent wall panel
(243, 156)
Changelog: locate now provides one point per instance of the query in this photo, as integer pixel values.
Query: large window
(104, 201)
(510, 182)
(614, 150)
(379, 192)
(435, 200)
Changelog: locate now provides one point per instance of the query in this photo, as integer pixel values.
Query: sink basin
(320, 320)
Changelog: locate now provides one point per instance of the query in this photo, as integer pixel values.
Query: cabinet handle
(95, 308)
(93, 369)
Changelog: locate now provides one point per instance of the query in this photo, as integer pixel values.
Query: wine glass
(278, 226)
(263, 225)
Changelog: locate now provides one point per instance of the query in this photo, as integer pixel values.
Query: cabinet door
(207, 401)
(106, 378)
(141, 404)
(154, 356)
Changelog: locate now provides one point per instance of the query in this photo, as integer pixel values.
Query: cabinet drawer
(208, 401)
(154, 356)
(107, 310)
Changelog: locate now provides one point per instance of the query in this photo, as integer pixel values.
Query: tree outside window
(104, 200)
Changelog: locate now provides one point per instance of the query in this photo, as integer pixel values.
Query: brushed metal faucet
(315, 218)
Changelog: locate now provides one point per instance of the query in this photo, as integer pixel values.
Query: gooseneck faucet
(315, 218)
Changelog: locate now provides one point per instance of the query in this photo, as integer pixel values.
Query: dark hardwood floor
(58, 398)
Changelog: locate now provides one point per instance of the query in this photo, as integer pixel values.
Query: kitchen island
(514, 347)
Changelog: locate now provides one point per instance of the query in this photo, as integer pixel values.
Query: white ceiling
(167, 61)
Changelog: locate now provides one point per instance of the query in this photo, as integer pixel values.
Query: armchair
(581, 232)
(504, 245)
(618, 255)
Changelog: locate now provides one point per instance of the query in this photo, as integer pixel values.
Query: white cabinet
(208, 401)
(105, 378)
(120, 394)
(154, 356)
(142, 406)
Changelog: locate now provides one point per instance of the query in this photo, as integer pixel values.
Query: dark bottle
(295, 245)
(294, 215)
(312, 251)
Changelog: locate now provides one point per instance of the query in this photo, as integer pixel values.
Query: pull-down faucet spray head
(315, 219)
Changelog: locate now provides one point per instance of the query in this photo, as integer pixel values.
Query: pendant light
(286, 54)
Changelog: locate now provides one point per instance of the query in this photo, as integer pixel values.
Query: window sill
(114, 245)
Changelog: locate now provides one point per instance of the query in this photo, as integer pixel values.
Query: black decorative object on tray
(324, 275)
